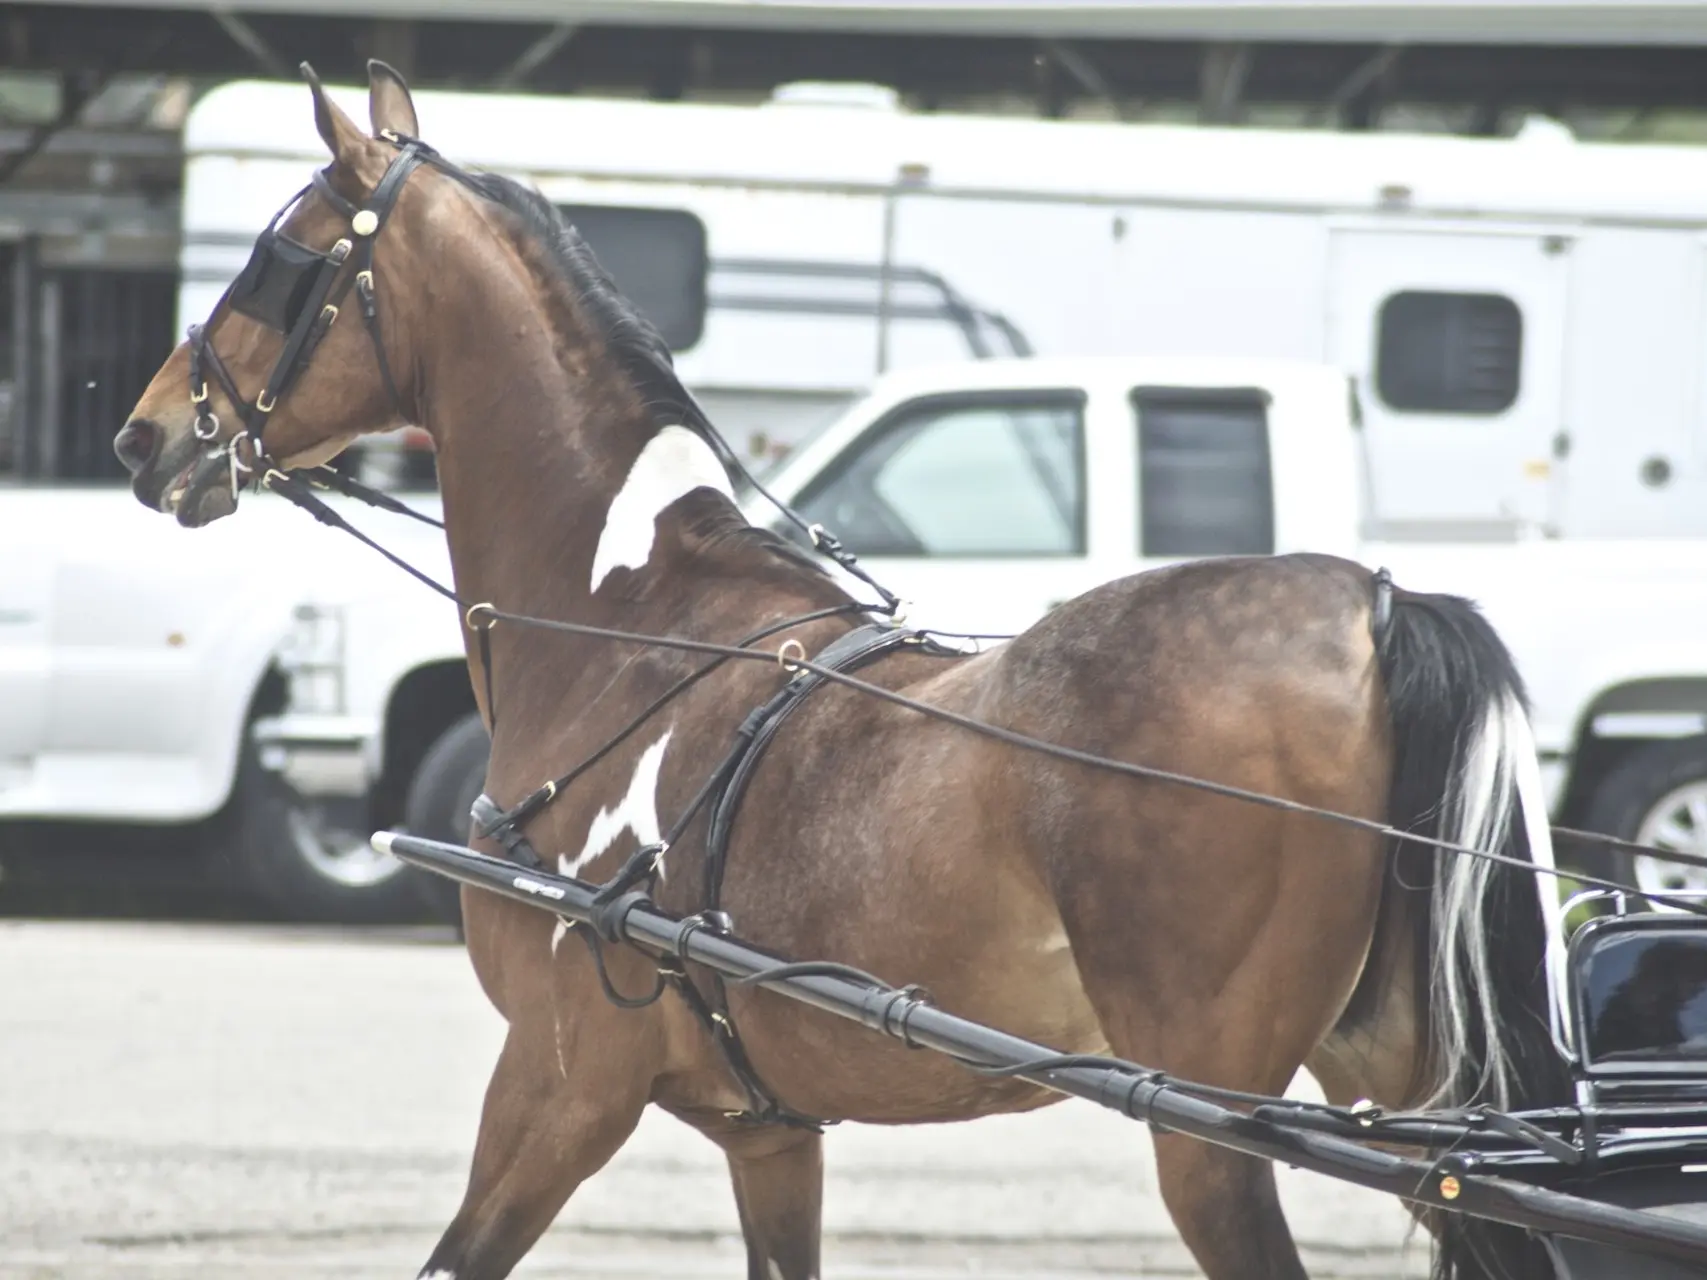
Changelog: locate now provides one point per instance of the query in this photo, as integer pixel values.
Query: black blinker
(275, 285)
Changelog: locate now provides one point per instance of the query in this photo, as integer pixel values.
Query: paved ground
(189, 1100)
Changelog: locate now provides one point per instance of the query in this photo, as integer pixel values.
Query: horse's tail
(1465, 770)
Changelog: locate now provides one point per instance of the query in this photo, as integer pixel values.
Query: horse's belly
(1019, 978)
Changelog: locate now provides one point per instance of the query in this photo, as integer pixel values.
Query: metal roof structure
(1546, 22)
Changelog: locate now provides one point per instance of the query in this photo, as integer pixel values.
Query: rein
(297, 291)
(297, 491)
(288, 288)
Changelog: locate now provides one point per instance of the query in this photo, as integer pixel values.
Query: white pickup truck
(285, 690)
(250, 684)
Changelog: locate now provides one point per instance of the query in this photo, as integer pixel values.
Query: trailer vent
(1459, 353)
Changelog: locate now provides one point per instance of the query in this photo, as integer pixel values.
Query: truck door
(974, 507)
(1456, 340)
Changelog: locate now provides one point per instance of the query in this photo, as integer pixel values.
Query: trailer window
(1458, 353)
(978, 478)
(657, 257)
(1205, 485)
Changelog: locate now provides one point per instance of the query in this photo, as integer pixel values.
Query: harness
(850, 652)
(722, 792)
(297, 291)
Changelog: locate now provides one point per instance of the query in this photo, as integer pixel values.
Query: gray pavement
(216, 1100)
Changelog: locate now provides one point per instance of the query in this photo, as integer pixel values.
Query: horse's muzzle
(138, 444)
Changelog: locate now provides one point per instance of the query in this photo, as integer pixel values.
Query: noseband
(296, 291)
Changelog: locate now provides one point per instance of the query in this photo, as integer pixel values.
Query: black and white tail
(1465, 770)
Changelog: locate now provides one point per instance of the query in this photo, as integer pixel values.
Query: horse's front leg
(567, 1092)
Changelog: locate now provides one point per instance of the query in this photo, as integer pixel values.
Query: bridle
(296, 290)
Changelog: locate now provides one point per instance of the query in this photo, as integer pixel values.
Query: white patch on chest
(637, 811)
(674, 462)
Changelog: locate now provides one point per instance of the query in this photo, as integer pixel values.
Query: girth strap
(858, 647)
(725, 787)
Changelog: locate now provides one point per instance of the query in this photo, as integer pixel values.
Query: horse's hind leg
(778, 1175)
(1227, 1210)
(1226, 970)
(553, 1116)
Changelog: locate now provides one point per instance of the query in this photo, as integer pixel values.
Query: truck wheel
(1658, 796)
(450, 778)
(308, 857)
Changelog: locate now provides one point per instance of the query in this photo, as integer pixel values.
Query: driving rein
(297, 291)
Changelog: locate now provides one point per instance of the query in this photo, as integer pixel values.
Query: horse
(1215, 940)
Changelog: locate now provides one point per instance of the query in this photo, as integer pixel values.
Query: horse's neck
(557, 505)
(564, 500)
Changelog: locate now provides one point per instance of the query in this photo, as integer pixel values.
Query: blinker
(275, 285)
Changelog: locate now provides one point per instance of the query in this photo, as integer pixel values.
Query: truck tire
(308, 858)
(1657, 796)
(450, 777)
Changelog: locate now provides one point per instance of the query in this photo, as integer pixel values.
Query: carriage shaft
(1138, 1094)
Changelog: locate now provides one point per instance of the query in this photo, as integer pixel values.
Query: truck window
(657, 257)
(1205, 485)
(961, 478)
(1458, 353)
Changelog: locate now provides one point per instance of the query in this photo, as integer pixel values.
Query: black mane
(635, 342)
(640, 350)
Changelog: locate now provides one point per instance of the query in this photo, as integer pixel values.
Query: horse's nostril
(137, 443)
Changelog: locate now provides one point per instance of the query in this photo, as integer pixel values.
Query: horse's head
(282, 374)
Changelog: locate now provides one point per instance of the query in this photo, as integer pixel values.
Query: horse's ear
(342, 135)
(389, 105)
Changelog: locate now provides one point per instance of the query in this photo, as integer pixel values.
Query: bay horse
(1216, 940)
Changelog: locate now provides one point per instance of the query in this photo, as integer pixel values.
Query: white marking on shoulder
(637, 811)
(438, 1275)
(674, 462)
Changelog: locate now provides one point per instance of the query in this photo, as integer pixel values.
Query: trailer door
(1455, 338)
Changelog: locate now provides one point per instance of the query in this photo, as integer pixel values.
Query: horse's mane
(633, 340)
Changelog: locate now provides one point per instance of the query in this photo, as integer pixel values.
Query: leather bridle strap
(319, 310)
(379, 205)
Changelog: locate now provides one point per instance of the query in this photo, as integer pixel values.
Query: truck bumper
(320, 755)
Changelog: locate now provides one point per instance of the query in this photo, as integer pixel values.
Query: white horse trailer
(1523, 317)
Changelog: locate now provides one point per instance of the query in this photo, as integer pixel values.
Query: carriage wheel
(1657, 796)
